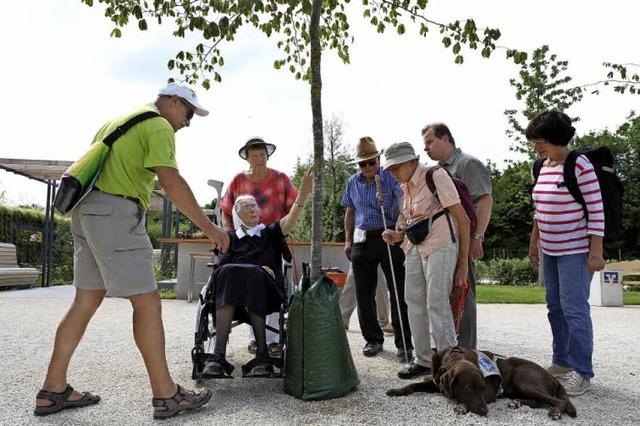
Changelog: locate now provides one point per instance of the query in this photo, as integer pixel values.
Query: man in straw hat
(437, 262)
(363, 227)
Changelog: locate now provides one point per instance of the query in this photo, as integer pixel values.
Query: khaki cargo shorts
(112, 250)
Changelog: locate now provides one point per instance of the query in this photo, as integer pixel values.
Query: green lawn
(494, 294)
(529, 294)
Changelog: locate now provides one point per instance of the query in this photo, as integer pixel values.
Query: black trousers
(365, 258)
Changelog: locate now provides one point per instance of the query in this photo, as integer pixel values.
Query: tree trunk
(318, 142)
(334, 189)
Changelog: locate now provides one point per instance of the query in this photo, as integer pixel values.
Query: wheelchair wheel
(204, 332)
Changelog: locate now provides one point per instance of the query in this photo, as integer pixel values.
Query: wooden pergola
(47, 172)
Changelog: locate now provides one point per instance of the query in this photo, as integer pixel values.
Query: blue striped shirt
(360, 195)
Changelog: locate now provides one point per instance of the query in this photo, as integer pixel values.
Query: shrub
(507, 271)
(24, 229)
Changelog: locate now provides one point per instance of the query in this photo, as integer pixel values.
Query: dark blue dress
(240, 279)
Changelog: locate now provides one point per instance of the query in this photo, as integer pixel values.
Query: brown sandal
(173, 406)
(60, 401)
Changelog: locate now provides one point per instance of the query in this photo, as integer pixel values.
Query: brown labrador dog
(529, 384)
(456, 374)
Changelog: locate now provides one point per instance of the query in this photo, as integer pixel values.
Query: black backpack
(611, 186)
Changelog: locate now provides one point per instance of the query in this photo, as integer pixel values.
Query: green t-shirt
(129, 170)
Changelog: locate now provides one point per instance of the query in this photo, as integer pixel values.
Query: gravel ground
(108, 363)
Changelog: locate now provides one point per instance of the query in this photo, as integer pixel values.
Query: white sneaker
(575, 384)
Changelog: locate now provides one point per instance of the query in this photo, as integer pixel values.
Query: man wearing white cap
(113, 252)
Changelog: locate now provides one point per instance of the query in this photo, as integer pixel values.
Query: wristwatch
(478, 237)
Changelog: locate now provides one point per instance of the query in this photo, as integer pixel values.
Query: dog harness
(488, 367)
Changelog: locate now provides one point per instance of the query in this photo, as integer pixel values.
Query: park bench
(11, 275)
(630, 270)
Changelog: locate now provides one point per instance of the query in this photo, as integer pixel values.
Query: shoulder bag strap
(121, 130)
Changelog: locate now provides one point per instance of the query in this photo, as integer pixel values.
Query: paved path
(108, 363)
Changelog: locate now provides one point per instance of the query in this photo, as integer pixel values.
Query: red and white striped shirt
(561, 221)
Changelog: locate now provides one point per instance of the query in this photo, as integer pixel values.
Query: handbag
(418, 231)
(78, 180)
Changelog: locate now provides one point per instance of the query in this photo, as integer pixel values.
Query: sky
(64, 76)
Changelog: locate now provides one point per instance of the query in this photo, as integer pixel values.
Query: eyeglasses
(189, 108)
(364, 164)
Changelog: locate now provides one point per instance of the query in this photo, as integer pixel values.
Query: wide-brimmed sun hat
(366, 150)
(256, 142)
(399, 153)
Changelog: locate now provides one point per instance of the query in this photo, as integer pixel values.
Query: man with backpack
(440, 145)
(436, 245)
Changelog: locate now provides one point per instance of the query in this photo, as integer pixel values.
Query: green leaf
(456, 48)
(446, 41)
(212, 30)
(116, 33)
(142, 25)
(401, 29)
(224, 25)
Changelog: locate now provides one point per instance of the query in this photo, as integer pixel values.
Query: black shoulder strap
(571, 181)
(121, 130)
(537, 165)
(429, 178)
(432, 187)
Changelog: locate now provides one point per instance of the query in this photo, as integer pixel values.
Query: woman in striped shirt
(571, 243)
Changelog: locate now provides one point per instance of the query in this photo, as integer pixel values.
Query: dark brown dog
(530, 384)
(457, 376)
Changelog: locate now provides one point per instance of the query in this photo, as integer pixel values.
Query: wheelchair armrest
(212, 265)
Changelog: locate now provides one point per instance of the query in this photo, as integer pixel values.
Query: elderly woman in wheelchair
(247, 285)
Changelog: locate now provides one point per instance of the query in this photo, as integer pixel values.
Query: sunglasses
(189, 108)
(364, 164)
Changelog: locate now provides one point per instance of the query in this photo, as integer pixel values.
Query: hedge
(17, 225)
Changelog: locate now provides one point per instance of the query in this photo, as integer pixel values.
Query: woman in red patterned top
(274, 193)
(272, 189)
(571, 243)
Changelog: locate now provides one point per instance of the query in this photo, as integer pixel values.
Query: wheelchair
(205, 330)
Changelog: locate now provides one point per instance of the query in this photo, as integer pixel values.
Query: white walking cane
(380, 198)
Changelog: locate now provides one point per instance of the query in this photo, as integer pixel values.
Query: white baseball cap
(184, 92)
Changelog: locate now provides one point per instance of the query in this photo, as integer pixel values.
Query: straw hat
(366, 150)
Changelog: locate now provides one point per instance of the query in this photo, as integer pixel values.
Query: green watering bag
(78, 180)
(318, 362)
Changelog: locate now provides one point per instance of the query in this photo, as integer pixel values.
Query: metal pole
(52, 224)
(176, 223)
(380, 198)
(165, 233)
(45, 254)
